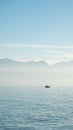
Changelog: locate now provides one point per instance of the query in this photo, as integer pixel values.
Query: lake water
(36, 108)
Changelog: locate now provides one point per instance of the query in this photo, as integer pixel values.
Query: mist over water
(14, 73)
(33, 108)
(36, 78)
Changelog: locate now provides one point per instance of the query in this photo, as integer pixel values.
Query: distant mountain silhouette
(8, 63)
(63, 65)
(35, 73)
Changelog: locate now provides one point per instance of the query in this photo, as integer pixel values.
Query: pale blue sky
(27, 24)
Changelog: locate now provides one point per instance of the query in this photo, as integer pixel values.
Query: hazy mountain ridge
(35, 73)
(7, 60)
(62, 66)
(8, 63)
(64, 63)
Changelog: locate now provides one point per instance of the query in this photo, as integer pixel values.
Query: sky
(36, 30)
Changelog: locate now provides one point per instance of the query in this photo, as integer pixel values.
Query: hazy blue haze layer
(36, 108)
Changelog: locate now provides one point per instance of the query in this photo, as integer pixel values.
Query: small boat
(47, 86)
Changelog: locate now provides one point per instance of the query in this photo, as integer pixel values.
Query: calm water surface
(36, 108)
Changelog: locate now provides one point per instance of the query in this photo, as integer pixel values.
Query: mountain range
(35, 73)
(8, 63)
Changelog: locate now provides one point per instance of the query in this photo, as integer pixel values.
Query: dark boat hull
(47, 86)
